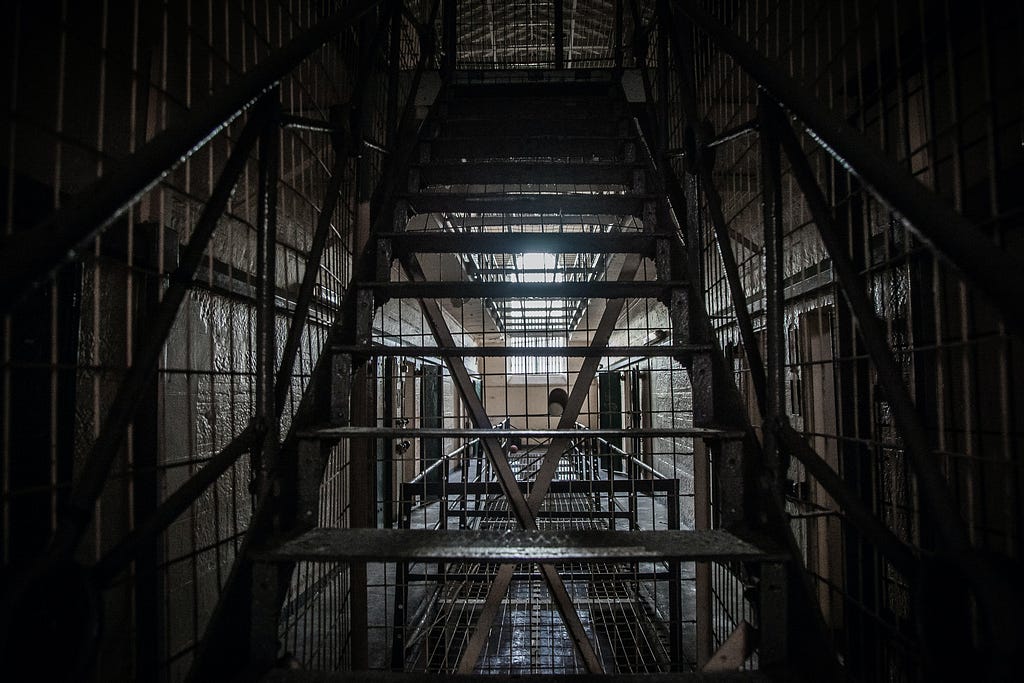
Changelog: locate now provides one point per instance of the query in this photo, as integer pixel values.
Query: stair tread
(577, 545)
(554, 204)
(509, 351)
(296, 675)
(522, 290)
(334, 432)
(528, 172)
(529, 146)
(433, 242)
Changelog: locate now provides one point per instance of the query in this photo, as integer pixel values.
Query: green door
(609, 399)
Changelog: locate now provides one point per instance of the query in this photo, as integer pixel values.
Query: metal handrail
(642, 465)
(448, 456)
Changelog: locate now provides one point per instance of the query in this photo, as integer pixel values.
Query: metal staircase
(562, 135)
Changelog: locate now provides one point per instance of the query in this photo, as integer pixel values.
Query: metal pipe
(27, 258)
(994, 272)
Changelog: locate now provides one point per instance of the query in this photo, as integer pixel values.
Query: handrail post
(775, 303)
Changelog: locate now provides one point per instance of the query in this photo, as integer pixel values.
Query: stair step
(335, 433)
(549, 204)
(304, 676)
(433, 242)
(529, 146)
(521, 290)
(577, 545)
(550, 125)
(515, 351)
(505, 172)
(506, 105)
(556, 86)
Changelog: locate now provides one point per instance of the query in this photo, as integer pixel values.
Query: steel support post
(361, 453)
(773, 624)
(394, 74)
(702, 522)
(662, 82)
(675, 587)
(775, 302)
(995, 272)
(266, 290)
(449, 37)
(559, 34)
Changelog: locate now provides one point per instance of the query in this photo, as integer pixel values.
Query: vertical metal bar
(361, 451)
(675, 588)
(702, 521)
(559, 34)
(266, 286)
(618, 34)
(449, 37)
(394, 73)
(664, 28)
(773, 620)
(775, 304)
